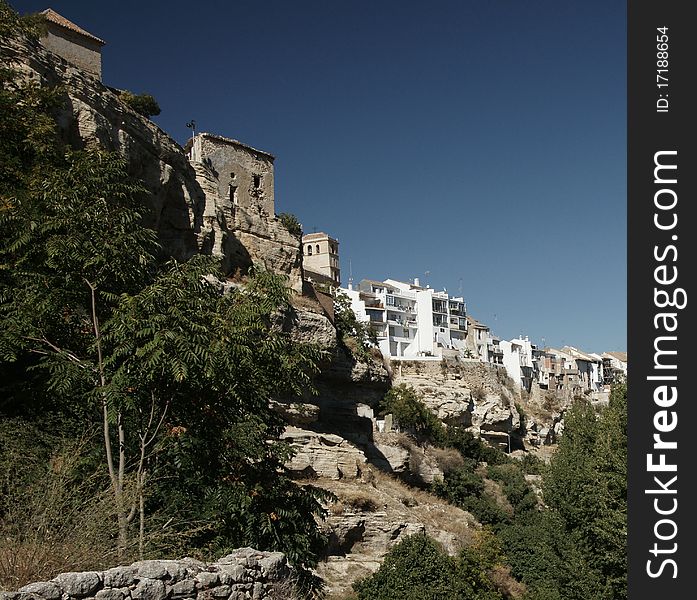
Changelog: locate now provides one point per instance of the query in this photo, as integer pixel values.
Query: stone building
(73, 43)
(321, 258)
(238, 183)
(244, 174)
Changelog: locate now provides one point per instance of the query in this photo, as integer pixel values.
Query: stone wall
(244, 574)
(75, 48)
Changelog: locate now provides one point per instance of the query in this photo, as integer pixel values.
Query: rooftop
(220, 138)
(320, 235)
(618, 355)
(52, 16)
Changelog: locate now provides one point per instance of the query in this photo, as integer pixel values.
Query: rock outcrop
(187, 210)
(468, 393)
(375, 512)
(244, 574)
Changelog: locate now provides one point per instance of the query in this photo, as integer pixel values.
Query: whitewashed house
(411, 321)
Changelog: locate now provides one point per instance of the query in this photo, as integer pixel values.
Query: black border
(648, 132)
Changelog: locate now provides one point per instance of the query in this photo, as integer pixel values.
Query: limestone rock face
(187, 209)
(372, 515)
(323, 454)
(468, 394)
(309, 327)
(490, 414)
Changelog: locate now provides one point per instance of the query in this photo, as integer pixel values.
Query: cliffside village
(411, 322)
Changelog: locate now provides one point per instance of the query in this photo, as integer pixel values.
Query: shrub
(472, 447)
(410, 412)
(516, 489)
(291, 223)
(143, 104)
(418, 568)
(531, 464)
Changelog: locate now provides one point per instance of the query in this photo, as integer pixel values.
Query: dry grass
(447, 459)
(505, 583)
(398, 500)
(55, 527)
(360, 501)
(494, 490)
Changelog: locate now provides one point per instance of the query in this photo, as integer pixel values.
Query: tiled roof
(618, 355)
(52, 16)
(220, 138)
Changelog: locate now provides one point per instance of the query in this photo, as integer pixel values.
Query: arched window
(317, 248)
(309, 249)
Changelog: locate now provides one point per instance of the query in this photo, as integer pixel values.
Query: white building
(590, 368)
(411, 321)
(518, 360)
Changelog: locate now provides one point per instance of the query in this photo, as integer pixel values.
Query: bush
(291, 223)
(472, 447)
(516, 489)
(143, 104)
(410, 412)
(418, 568)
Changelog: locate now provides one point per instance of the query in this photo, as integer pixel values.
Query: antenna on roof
(192, 125)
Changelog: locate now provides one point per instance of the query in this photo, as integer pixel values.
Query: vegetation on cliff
(136, 391)
(572, 547)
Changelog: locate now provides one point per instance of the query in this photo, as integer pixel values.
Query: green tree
(178, 375)
(418, 568)
(410, 412)
(577, 547)
(143, 104)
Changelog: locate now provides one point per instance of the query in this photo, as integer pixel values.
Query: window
(309, 249)
(233, 194)
(317, 248)
(257, 181)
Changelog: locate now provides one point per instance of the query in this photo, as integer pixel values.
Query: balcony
(374, 304)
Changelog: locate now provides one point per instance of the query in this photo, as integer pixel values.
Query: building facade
(74, 44)
(411, 321)
(321, 259)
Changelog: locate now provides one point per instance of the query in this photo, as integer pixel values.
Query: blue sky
(479, 146)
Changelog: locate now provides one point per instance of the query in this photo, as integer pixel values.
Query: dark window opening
(317, 248)
(233, 193)
(309, 249)
(257, 181)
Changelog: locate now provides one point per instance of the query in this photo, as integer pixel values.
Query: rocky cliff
(341, 444)
(188, 212)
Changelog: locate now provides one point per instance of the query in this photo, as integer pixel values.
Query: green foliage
(13, 25)
(410, 412)
(471, 446)
(418, 568)
(516, 489)
(291, 223)
(577, 548)
(532, 465)
(143, 104)
(350, 328)
(96, 331)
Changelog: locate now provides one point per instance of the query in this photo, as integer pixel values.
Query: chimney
(416, 282)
